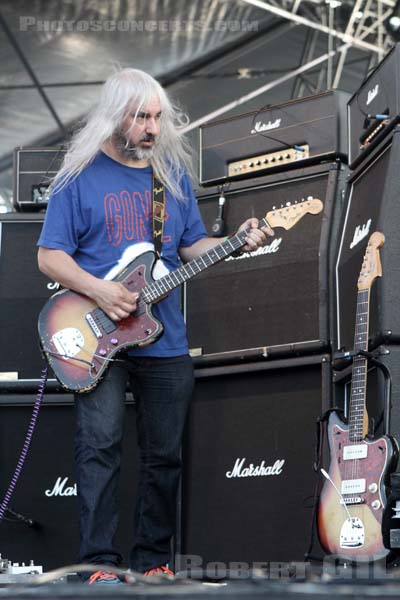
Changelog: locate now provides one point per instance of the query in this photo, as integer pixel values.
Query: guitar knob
(373, 488)
(375, 504)
(102, 352)
(114, 341)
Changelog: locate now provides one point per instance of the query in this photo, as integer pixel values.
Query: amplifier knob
(273, 159)
(258, 163)
(251, 164)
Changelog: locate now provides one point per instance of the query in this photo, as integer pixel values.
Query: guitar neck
(358, 417)
(160, 287)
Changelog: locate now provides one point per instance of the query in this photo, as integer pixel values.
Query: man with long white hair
(98, 218)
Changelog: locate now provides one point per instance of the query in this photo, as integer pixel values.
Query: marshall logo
(261, 470)
(61, 488)
(260, 126)
(270, 249)
(372, 94)
(360, 233)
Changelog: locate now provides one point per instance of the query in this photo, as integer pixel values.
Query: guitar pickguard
(361, 478)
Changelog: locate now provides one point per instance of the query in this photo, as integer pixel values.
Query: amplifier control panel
(268, 161)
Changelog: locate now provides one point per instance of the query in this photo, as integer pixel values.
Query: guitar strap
(158, 214)
(320, 435)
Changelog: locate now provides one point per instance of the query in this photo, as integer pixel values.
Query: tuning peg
(287, 203)
(274, 208)
(309, 198)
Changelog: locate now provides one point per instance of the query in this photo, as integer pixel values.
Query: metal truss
(347, 24)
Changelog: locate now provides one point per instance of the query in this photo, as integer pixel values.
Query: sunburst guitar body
(360, 472)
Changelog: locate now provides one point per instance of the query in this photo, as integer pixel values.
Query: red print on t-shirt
(127, 217)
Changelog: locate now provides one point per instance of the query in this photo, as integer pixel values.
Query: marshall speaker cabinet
(23, 291)
(275, 299)
(372, 205)
(374, 109)
(248, 480)
(42, 524)
(299, 132)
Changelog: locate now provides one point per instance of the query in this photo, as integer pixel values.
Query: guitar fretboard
(359, 371)
(159, 288)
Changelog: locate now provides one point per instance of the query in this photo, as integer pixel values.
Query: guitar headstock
(289, 215)
(371, 267)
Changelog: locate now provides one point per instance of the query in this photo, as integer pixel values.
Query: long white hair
(125, 89)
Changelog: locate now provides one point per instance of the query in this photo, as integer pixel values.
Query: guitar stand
(343, 360)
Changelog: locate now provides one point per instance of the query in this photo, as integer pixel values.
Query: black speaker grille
(273, 298)
(373, 205)
(252, 416)
(23, 292)
(53, 541)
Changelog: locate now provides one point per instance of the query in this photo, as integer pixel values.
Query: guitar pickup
(353, 486)
(93, 325)
(352, 500)
(100, 322)
(352, 452)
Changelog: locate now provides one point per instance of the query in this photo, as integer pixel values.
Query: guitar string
(351, 467)
(359, 381)
(362, 367)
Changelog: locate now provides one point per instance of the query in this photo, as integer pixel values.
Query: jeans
(161, 388)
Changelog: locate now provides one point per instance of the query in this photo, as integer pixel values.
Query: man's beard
(126, 150)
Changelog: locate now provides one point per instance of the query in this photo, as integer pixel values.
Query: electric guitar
(79, 340)
(353, 498)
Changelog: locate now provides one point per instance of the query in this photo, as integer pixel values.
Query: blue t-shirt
(101, 216)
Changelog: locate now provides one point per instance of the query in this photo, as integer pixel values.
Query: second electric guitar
(350, 516)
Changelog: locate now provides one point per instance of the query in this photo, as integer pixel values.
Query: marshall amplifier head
(34, 168)
(374, 109)
(279, 137)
